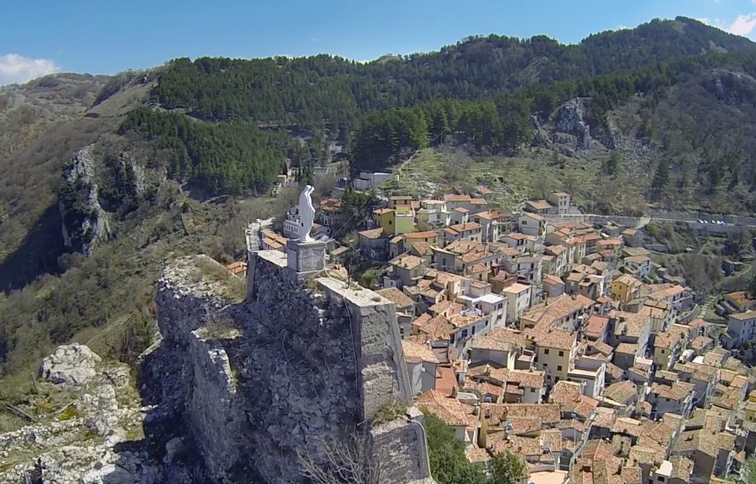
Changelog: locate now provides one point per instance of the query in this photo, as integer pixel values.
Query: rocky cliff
(240, 392)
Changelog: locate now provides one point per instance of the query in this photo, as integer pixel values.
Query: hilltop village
(556, 340)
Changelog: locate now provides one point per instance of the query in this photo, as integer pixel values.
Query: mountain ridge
(658, 114)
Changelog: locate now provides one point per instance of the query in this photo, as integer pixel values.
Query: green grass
(225, 284)
(218, 330)
(389, 412)
(533, 174)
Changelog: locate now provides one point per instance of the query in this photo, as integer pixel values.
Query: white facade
(422, 376)
(492, 305)
(532, 224)
(592, 372)
(518, 300)
(742, 325)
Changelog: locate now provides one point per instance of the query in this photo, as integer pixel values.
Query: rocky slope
(232, 392)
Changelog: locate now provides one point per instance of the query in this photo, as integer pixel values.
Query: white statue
(306, 214)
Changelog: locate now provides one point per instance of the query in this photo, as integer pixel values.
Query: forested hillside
(177, 159)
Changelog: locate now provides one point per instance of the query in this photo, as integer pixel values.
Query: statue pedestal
(303, 257)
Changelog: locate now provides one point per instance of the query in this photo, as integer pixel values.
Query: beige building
(555, 350)
(518, 300)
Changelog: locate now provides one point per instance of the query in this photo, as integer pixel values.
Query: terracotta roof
(667, 339)
(638, 259)
(596, 450)
(516, 288)
(621, 392)
(499, 339)
(417, 351)
(408, 261)
(372, 234)
(421, 235)
(628, 280)
(539, 204)
(597, 325)
(522, 446)
(682, 468)
(630, 324)
(528, 378)
(743, 316)
(489, 372)
(451, 197)
(548, 312)
(501, 412)
(449, 409)
(465, 227)
(699, 323)
(604, 418)
(396, 296)
(626, 348)
(446, 307)
(568, 395)
(552, 338)
(553, 280)
(627, 425)
(701, 342)
(603, 348)
(438, 328)
(705, 441)
(677, 391)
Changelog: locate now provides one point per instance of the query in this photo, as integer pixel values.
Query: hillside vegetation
(661, 115)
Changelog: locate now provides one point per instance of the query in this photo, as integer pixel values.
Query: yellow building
(384, 217)
(404, 220)
(625, 288)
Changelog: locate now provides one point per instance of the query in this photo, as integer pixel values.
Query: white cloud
(743, 25)
(17, 69)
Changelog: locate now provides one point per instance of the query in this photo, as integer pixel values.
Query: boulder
(70, 365)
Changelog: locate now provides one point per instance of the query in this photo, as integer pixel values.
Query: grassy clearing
(514, 180)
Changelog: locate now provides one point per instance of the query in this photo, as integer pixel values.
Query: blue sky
(105, 37)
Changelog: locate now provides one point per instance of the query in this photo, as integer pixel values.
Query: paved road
(640, 222)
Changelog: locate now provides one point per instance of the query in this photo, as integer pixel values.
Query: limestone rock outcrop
(232, 392)
(85, 222)
(85, 441)
(70, 365)
(570, 120)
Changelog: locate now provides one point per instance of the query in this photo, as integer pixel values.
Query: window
(524, 222)
(545, 365)
(532, 390)
(559, 368)
(561, 353)
(546, 351)
(666, 399)
(391, 222)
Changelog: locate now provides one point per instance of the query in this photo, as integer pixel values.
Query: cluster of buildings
(561, 342)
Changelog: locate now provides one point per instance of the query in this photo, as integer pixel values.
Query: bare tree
(351, 459)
